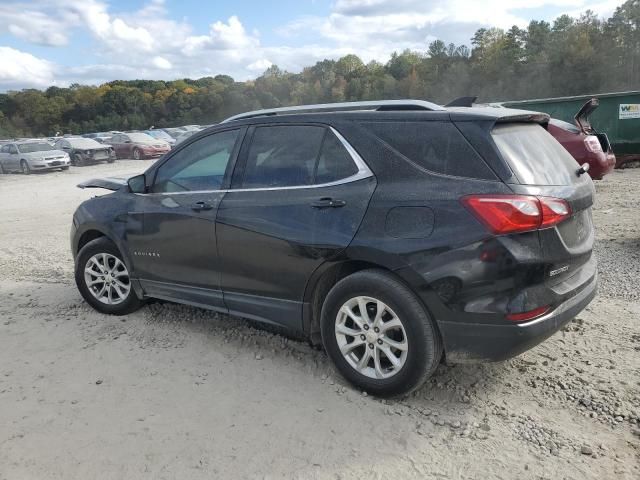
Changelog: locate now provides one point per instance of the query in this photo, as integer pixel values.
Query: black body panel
(271, 241)
(262, 252)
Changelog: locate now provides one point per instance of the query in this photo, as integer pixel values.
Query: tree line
(569, 56)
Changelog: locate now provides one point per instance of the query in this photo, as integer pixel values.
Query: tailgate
(544, 168)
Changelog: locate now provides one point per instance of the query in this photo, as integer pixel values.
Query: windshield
(34, 147)
(140, 137)
(159, 134)
(84, 143)
(534, 155)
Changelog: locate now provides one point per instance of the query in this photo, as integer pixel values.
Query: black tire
(136, 154)
(65, 167)
(111, 160)
(24, 167)
(97, 246)
(424, 350)
(77, 160)
(1, 169)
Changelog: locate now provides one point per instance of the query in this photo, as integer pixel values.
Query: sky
(60, 42)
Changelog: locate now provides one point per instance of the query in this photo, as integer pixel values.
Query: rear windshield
(534, 155)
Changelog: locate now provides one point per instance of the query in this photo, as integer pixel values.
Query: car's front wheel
(103, 278)
(378, 334)
(24, 166)
(136, 154)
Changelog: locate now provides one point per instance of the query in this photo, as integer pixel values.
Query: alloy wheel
(107, 278)
(371, 337)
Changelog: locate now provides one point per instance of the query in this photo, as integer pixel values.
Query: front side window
(199, 166)
(295, 155)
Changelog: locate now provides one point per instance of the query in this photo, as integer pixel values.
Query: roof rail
(378, 105)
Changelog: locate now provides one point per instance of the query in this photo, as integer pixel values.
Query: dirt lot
(176, 392)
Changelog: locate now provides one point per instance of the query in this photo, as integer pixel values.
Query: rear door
(543, 167)
(298, 196)
(175, 255)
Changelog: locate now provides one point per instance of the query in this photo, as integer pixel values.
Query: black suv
(394, 233)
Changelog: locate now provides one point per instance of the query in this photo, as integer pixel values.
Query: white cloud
(162, 63)
(21, 69)
(259, 65)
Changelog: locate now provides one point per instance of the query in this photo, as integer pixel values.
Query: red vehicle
(584, 143)
(138, 145)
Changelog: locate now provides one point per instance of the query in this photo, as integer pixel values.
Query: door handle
(200, 206)
(328, 203)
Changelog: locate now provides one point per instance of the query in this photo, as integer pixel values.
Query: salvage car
(345, 223)
(138, 145)
(31, 156)
(83, 151)
(584, 142)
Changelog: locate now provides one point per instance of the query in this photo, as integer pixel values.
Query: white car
(31, 156)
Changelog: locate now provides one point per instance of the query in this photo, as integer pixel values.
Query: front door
(175, 256)
(297, 200)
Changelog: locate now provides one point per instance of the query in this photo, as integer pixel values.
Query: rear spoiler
(528, 117)
(109, 183)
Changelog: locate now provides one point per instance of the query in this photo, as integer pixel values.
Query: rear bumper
(473, 342)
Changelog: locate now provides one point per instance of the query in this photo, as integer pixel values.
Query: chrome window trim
(363, 172)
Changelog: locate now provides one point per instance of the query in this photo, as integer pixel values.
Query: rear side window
(435, 146)
(295, 155)
(534, 155)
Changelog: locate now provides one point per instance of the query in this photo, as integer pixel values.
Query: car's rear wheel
(378, 334)
(24, 166)
(136, 154)
(103, 278)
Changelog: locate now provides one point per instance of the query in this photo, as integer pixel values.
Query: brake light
(530, 315)
(503, 214)
(592, 144)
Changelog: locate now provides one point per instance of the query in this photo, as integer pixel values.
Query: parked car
(584, 143)
(172, 132)
(160, 134)
(30, 156)
(183, 136)
(332, 221)
(100, 137)
(84, 151)
(138, 145)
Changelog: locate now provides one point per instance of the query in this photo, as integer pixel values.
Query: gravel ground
(177, 392)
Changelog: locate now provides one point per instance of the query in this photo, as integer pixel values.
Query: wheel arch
(323, 281)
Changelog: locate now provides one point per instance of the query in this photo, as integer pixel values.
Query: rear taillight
(592, 144)
(503, 214)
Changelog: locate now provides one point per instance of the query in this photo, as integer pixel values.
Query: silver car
(31, 156)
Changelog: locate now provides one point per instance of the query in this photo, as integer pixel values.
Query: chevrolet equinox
(394, 233)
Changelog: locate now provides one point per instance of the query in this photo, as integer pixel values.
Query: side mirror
(138, 184)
